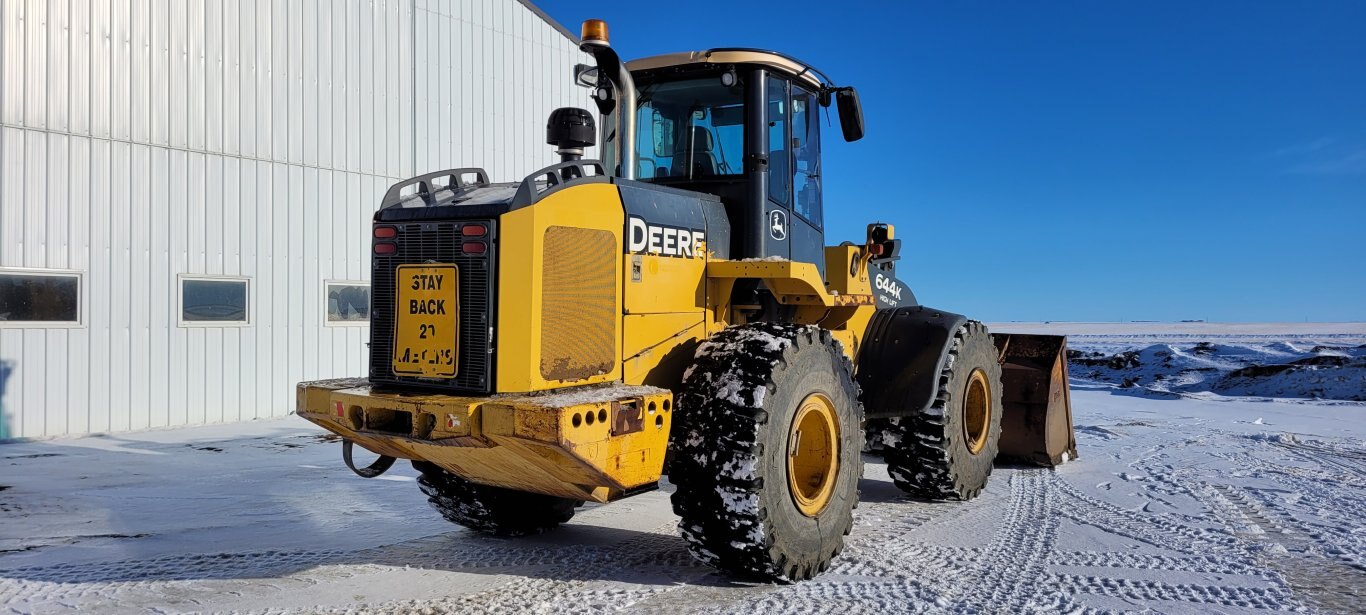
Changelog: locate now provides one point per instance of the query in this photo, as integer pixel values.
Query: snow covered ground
(1182, 502)
(1204, 360)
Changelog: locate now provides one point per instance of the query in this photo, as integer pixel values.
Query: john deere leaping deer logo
(777, 224)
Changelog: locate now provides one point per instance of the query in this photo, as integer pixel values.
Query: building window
(348, 303)
(214, 301)
(40, 298)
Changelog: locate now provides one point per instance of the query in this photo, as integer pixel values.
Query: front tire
(947, 451)
(767, 445)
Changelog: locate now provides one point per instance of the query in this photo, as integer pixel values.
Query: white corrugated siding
(143, 139)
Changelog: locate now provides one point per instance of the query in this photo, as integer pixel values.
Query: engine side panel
(571, 235)
(670, 236)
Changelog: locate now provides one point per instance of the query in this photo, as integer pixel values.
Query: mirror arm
(826, 95)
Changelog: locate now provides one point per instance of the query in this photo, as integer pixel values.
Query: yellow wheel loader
(672, 309)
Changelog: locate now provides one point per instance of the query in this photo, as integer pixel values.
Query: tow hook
(380, 465)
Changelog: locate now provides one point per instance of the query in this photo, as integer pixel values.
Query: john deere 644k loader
(673, 309)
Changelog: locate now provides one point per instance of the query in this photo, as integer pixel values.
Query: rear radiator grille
(578, 303)
(436, 242)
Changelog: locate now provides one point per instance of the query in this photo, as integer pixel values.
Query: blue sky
(1082, 160)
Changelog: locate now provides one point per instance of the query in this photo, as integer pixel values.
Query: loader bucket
(1036, 422)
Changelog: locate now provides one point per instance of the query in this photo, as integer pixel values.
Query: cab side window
(806, 145)
(779, 158)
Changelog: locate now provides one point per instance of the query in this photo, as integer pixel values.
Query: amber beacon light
(594, 30)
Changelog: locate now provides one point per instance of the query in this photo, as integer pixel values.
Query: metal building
(185, 187)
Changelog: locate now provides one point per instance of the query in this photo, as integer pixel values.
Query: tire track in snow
(893, 562)
(891, 572)
(1308, 477)
(80, 582)
(879, 555)
(227, 566)
(1017, 557)
(883, 568)
(836, 594)
(1155, 529)
(1326, 580)
(1335, 536)
(1140, 591)
(1341, 460)
(1215, 551)
(1137, 561)
(887, 570)
(573, 583)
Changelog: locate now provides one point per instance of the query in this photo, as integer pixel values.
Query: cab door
(784, 130)
(777, 222)
(808, 236)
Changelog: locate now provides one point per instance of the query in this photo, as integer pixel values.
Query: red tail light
(386, 232)
(473, 230)
(474, 247)
(385, 247)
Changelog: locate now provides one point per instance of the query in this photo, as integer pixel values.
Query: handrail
(427, 189)
(555, 176)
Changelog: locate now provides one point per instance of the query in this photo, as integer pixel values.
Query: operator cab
(742, 124)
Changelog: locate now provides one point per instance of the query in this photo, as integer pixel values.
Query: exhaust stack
(595, 43)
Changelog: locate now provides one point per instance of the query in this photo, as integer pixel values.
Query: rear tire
(947, 451)
(767, 444)
(491, 510)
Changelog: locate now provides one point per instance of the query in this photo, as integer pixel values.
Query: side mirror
(585, 76)
(851, 114)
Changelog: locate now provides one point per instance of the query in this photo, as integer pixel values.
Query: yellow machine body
(589, 336)
(592, 339)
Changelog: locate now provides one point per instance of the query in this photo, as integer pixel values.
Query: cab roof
(802, 71)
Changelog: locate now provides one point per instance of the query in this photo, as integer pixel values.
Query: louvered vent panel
(578, 303)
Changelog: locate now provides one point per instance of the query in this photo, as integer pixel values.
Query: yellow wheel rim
(976, 411)
(813, 454)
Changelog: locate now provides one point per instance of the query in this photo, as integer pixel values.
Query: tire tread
(717, 448)
(491, 510)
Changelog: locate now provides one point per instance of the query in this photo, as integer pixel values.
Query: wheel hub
(813, 454)
(976, 411)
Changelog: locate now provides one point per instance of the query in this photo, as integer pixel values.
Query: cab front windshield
(691, 129)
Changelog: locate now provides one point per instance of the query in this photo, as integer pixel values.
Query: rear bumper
(588, 443)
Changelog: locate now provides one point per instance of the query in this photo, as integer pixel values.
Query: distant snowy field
(1208, 360)
(1191, 495)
